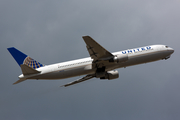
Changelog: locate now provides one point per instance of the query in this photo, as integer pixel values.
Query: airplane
(101, 63)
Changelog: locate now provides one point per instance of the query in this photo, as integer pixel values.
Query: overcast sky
(51, 32)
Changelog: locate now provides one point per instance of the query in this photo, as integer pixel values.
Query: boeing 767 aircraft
(101, 63)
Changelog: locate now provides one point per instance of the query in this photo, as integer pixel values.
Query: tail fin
(23, 59)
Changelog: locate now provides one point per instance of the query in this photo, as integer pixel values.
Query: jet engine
(111, 75)
(119, 58)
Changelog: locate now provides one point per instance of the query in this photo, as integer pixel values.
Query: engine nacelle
(119, 58)
(111, 75)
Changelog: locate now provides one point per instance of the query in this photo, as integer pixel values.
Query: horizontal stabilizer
(26, 70)
(21, 80)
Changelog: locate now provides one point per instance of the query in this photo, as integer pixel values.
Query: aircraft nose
(171, 50)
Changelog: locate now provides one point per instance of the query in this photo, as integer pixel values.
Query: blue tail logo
(32, 63)
(22, 58)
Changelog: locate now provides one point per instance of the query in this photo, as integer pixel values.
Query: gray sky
(51, 32)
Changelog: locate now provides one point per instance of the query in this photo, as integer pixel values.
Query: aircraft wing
(96, 51)
(87, 77)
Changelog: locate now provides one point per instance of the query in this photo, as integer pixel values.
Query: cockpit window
(166, 46)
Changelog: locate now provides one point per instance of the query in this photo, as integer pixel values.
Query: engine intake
(111, 75)
(119, 58)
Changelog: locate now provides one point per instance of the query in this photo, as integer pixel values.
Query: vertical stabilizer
(23, 59)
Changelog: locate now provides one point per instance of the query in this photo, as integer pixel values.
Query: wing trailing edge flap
(87, 77)
(26, 70)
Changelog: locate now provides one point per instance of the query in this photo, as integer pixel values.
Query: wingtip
(64, 85)
(85, 36)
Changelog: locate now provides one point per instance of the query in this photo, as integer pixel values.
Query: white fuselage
(84, 66)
